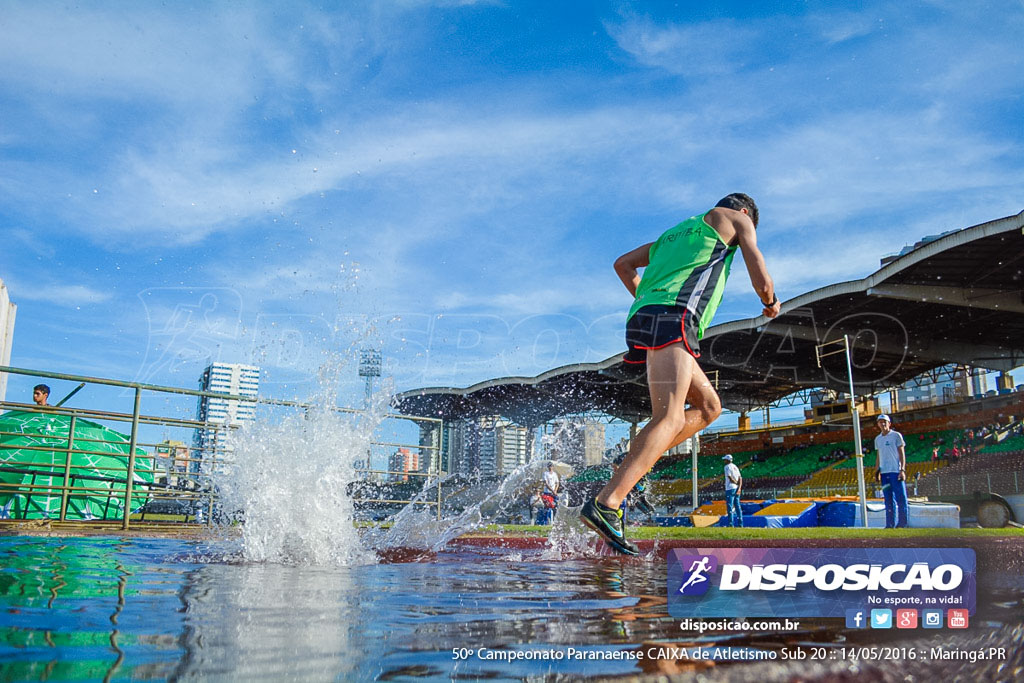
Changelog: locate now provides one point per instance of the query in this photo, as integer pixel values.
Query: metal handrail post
(67, 470)
(437, 462)
(127, 512)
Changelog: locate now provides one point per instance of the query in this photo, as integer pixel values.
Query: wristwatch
(775, 300)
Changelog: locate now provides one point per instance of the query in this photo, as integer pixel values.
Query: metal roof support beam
(990, 299)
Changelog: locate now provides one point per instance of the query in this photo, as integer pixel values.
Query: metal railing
(1003, 483)
(87, 470)
(935, 486)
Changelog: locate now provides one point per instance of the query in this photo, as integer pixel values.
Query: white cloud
(63, 295)
(482, 160)
(839, 26)
(33, 241)
(163, 55)
(696, 49)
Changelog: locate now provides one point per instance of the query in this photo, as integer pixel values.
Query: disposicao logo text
(715, 582)
(830, 577)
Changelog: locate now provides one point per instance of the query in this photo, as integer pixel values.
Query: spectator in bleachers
(892, 473)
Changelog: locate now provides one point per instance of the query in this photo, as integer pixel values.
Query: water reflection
(155, 609)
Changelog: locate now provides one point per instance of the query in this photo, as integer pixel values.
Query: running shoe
(609, 524)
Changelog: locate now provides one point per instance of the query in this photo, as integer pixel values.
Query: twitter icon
(881, 618)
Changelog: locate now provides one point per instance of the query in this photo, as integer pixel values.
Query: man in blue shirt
(892, 472)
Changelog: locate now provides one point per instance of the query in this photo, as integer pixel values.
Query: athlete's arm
(626, 266)
(756, 268)
(903, 463)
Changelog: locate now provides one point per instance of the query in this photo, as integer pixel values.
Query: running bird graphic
(699, 569)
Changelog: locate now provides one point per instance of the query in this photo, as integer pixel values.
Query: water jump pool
(142, 608)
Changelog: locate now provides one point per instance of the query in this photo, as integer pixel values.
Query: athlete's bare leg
(705, 406)
(671, 371)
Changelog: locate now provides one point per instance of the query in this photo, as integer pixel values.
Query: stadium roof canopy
(957, 299)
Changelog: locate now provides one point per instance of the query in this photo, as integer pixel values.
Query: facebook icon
(855, 618)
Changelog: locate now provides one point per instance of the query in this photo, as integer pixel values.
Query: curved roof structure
(957, 299)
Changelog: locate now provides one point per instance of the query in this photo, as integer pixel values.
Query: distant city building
(489, 446)
(227, 378)
(916, 245)
(502, 446)
(172, 459)
(576, 441)
(7, 312)
(511, 447)
(593, 443)
(436, 446)
(947, 384)
(403, 460)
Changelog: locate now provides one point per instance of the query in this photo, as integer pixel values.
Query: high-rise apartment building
(403, 460)
(489, 446)
(172, 459)
(501, 445)
(227, 378)
(436, 447)
(7, 311)
(593, 443)
(511, 447)
(576, 441)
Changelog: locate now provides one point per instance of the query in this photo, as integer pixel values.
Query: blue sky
(282, 183)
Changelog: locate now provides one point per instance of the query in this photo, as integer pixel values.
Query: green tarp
(33, 451)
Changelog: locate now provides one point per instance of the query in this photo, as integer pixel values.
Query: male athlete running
(682, 285)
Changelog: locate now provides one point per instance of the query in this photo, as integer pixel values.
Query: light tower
(369, 367)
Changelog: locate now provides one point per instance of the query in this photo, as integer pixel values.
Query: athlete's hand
(771, 311)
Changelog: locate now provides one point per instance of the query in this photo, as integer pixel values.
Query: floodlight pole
(858, 451)
(369, 367)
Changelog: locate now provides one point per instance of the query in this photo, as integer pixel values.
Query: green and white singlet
(688, 268)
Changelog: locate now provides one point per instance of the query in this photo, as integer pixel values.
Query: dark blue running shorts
(655, 327)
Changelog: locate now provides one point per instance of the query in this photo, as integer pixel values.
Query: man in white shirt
(733, 486)
(552, 482)
(892, 473)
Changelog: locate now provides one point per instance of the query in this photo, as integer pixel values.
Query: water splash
(292, 478)
(289, 480)
(417, 526)
(569, 537)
